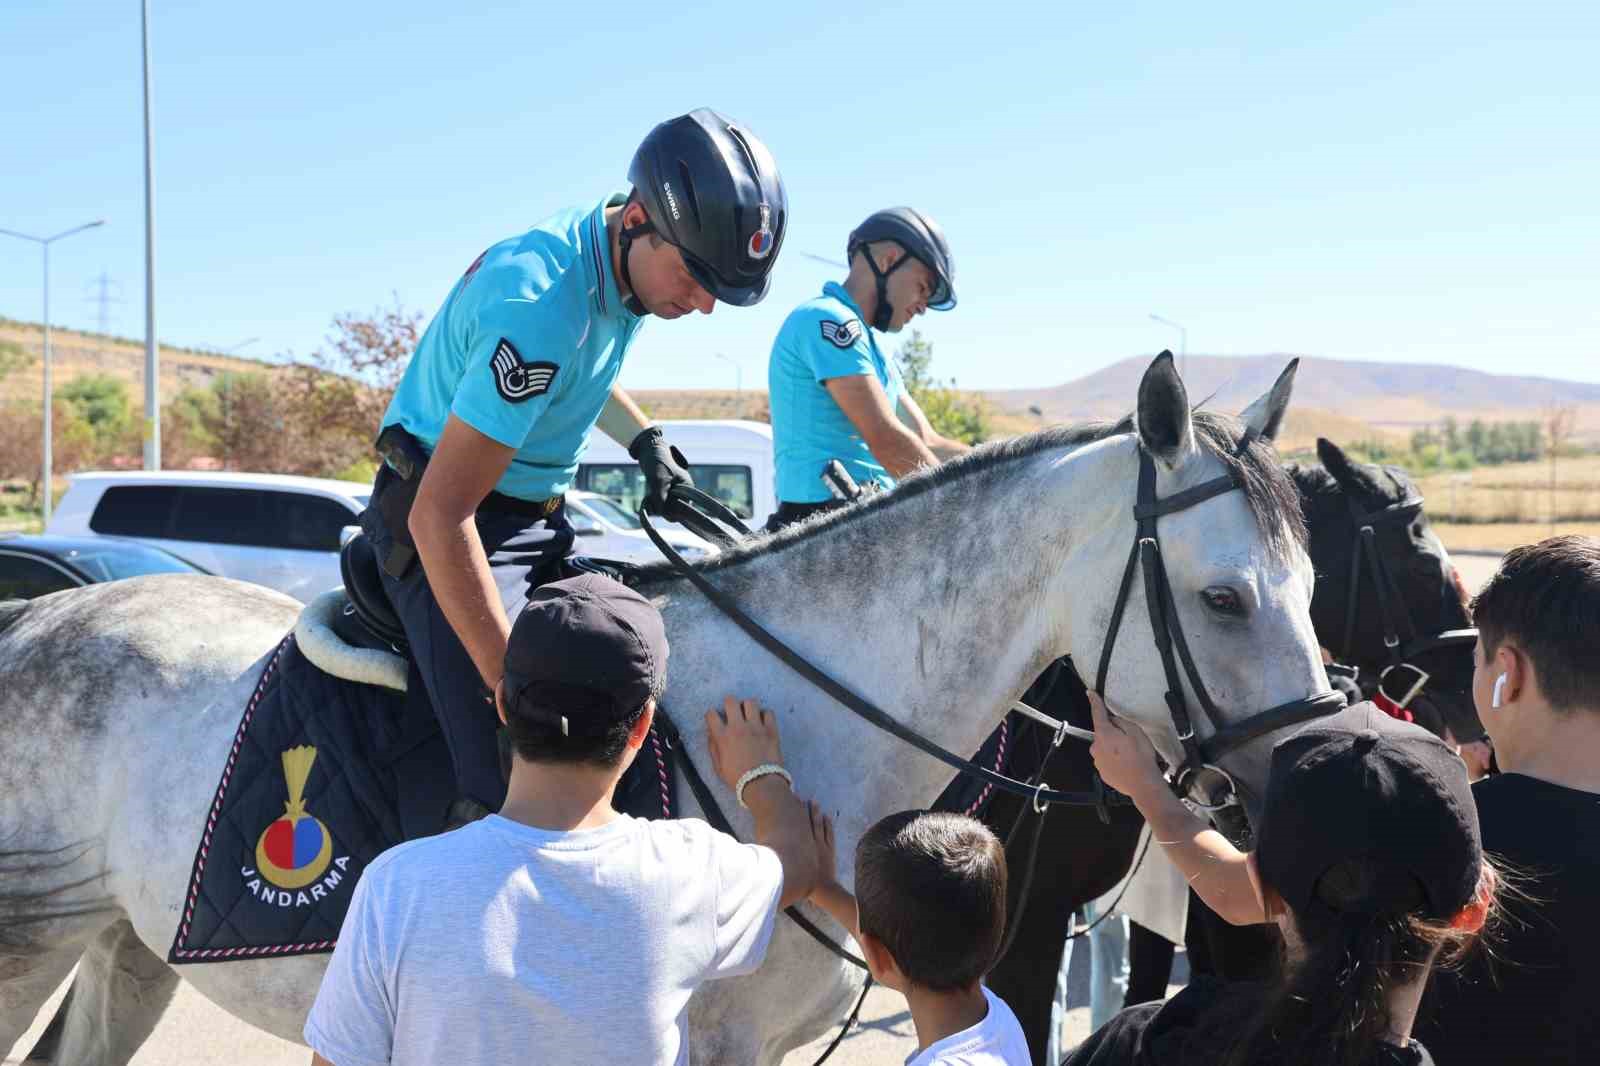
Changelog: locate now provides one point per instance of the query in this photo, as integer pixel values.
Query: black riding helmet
(712, 190)
(923, 240)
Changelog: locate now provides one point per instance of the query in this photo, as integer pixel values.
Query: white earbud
(1499, 687)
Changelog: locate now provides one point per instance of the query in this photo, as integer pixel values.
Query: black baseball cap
(1360, 785)
(585, 654)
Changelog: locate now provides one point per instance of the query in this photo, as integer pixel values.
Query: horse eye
(1223, 600)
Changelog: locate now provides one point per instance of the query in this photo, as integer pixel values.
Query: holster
(395, 492)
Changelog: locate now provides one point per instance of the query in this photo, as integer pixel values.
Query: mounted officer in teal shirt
(485, 431)
(835, 394)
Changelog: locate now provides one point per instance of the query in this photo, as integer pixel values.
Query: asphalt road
(194, 1032)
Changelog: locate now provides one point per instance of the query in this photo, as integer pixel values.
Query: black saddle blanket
(325, 774)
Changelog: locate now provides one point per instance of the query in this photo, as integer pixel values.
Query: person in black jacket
(1369, 861)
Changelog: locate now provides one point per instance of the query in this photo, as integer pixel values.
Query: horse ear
(1264, 416)
(1162, 416)
(1336, 463)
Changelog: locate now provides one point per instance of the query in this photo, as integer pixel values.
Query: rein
(871, 712)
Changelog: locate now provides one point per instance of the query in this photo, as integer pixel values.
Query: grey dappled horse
(118, 702)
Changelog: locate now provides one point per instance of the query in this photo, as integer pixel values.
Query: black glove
(664, 466)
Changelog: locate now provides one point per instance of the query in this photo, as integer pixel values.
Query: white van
(277, 530)
(284, 531)
(729, 459)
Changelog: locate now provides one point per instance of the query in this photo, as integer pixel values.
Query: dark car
(38, 565)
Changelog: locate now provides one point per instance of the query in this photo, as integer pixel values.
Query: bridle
(709, 517)
(1199, 778)
(1392, 609)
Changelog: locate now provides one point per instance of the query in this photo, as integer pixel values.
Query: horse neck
(936, 607)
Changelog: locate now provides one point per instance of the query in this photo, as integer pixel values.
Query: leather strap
(719, 821)
(860, 706)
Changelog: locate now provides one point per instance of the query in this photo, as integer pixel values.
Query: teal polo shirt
(525, 351)
(823, 338)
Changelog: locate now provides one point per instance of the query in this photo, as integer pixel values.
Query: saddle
(337, 757)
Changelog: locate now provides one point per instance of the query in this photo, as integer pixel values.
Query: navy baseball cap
(585, 654)
(1367, 814)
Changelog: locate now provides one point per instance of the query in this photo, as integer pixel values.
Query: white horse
(940, 602)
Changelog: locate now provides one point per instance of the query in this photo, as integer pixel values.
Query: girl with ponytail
(1369, 861)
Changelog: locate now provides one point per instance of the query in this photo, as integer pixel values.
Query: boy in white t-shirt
(930, 915)
(558, 930)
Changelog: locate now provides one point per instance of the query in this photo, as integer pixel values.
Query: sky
(1396, 181)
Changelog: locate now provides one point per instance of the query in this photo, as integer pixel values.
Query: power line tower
(104, 292)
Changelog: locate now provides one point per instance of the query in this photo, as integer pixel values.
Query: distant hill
(1395, 397)
(74, 354)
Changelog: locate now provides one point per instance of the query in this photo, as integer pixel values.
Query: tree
(1452, 434)
(249, 424)
(187, 424)
(333, 403)
(951, 412)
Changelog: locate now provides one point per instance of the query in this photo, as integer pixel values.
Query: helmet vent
(690, 193)
(749, 156)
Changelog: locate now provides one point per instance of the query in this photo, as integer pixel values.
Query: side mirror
(348, 534)
(589, 531)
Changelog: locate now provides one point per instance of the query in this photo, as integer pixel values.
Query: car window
(221, 516)
(306, 523)
(23, 578)
(624, 483)
(121, 560)
(581, 522)
(609, 510)
(135, 511)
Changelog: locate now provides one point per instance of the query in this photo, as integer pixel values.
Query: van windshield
(624, 484)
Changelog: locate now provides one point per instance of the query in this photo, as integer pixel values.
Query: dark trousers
(523, 552)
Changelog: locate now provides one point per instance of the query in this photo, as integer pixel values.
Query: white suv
(271, 529)
(284, 531)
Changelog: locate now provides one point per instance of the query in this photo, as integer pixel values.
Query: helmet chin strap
(624, 245)
(884, 312)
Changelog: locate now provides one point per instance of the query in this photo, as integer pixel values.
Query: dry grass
(74, 354)
(1517, 493)
(1503, 536)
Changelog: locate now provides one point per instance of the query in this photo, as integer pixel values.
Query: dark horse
(1080, 857)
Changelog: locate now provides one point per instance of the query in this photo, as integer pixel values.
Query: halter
(1399, 654)
(1198, 776)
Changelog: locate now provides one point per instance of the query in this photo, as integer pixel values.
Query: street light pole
(44, 243)
(152, 357)
(1183, 341)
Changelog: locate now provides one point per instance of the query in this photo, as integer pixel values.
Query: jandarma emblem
(515, 380)
(295, 851)
(761, 241)
(841, 334)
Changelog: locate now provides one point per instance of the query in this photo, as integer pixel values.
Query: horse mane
(1313, 480)
(10, 611)
(1271, 495)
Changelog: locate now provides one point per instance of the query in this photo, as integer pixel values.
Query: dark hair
(1546, 599)
(1330, 1006)
(931, 887)
(536, 741)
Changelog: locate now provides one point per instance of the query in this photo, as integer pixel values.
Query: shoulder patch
(516, 380)
(841, 334)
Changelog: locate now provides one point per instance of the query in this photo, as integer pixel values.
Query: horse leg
(26, 983)
(120, 992)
